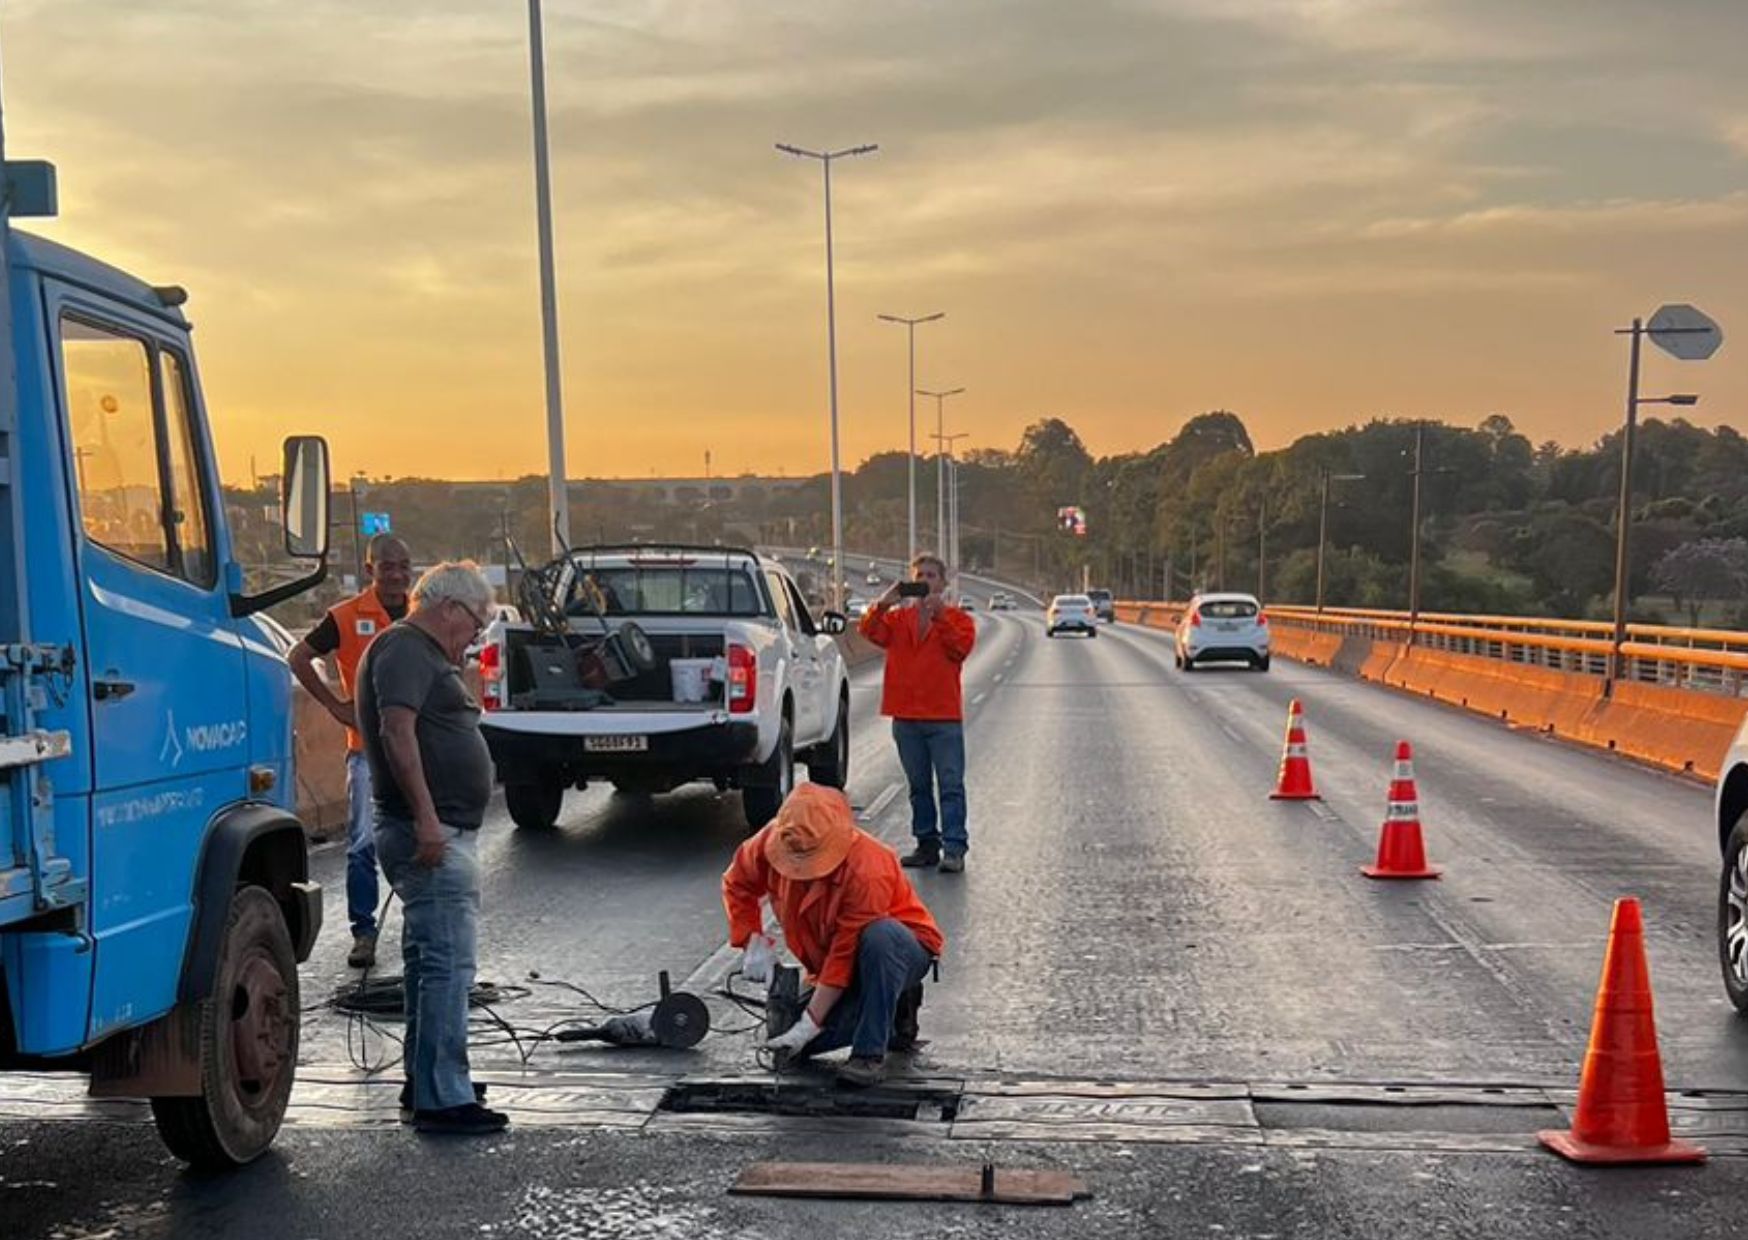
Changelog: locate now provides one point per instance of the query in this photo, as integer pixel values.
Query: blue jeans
(361, 887)
(439, 941)
(933, 752)
(889, 961)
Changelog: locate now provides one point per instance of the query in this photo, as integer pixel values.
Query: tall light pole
(1262, 548)
(1323, 523)
(825, 159)
(949, 550)
(1414, 538)
(558, 494)
(910, 326)
(940, 468)
(1624, 509)
(1690, 336)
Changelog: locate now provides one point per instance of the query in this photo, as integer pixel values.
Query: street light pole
(910, 326)
(1414, 540)
(940, 469)
(558, 494)
(1623, 511)
(825, 159)
(1262, 547)
(1323, 524)
(949, 550)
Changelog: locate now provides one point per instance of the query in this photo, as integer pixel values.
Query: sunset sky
(1306, 211)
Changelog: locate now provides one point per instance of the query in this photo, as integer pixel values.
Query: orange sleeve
(867, 898)
(958, 634)
(876, 626)
(743, 886)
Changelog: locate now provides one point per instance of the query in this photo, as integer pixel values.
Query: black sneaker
(927, 853)
(953, 863)
(479, 1095)
(905, 1028)
(471, 1120)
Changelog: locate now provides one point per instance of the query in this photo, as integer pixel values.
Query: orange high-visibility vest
(359, 619)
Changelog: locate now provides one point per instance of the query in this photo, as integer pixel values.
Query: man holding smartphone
(927, 640)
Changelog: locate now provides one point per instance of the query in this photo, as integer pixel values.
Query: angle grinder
(678, 1022)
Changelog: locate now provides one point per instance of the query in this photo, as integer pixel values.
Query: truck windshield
(667, 589)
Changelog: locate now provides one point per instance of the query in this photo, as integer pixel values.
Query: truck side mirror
(835, 622)
(304, 499)
(303, 505)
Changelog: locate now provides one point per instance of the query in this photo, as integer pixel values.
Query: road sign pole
(1624, 516)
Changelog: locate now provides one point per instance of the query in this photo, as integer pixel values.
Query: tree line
(1507, 526)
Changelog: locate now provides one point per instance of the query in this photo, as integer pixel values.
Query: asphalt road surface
(1156, 978)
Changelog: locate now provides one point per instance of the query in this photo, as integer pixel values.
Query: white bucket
(691, 679)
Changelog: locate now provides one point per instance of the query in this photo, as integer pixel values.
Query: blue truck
(155, 899)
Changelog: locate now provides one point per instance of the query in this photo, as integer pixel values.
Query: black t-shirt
(406, 667)
(324, 639)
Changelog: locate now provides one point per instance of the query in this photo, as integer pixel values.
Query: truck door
(804, 669)
(168, 710)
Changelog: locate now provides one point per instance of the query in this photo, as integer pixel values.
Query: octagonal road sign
(1684, 332)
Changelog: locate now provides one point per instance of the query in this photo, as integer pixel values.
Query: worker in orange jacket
(342, 637)
(850, 916)
(927, 640)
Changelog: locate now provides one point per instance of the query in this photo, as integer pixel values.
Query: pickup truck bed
(768, 686)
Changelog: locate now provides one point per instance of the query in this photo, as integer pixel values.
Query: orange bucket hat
(812, 834)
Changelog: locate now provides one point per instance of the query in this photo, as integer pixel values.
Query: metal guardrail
(1705, 660)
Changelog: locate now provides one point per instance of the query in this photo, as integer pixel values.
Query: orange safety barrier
(1681, 712)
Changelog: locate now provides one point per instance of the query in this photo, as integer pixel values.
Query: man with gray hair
(431, 776)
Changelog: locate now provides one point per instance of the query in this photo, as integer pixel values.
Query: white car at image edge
(1223, 628)
(1071, 611)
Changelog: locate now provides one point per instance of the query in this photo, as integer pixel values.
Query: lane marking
(999, 676)
(878, 807)
(978, 700)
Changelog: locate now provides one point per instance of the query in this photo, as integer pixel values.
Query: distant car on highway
(1104, 604)
(1001, 600)
(855, 606)
(1071, 611)
(874, 578)
(1223, 627)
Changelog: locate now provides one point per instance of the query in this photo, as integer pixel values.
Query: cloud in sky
(1308, 211)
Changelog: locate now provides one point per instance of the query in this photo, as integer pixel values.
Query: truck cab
(154, 888)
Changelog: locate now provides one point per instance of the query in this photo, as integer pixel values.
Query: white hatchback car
(1071, 611)
(1223, 627)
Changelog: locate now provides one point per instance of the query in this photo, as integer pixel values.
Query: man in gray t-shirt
(432, 776)
(407, 668)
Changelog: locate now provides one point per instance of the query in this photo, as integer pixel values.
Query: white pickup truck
(654, 667)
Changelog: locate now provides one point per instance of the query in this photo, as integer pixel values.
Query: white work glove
(800, 1034)
(757, 959)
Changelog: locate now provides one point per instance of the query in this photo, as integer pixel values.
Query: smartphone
(913, 589)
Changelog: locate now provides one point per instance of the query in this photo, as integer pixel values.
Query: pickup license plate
(616, 744)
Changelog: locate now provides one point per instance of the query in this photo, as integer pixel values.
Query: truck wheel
(248, 1044)
(534, 804)
(1733, 917)
(762, 801)
(833, 765)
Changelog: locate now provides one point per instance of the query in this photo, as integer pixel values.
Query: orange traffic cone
(1294, 782)
(1621, 1115)
(1401, 853)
